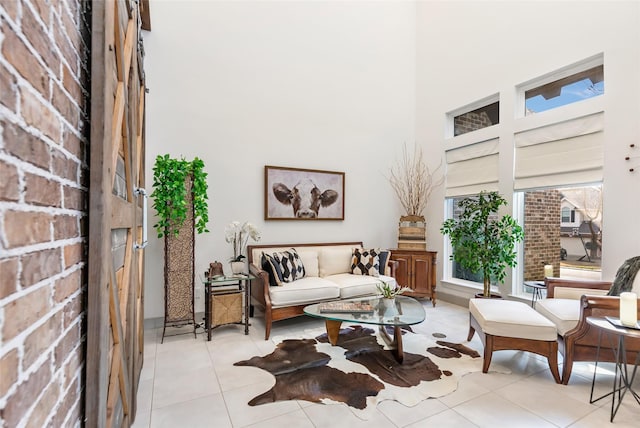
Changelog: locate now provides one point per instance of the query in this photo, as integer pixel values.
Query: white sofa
(327, 277)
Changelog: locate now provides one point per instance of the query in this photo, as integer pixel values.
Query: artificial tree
(180, 200)
(481, 240)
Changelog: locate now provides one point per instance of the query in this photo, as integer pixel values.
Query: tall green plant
(481, 240)
(169, 194)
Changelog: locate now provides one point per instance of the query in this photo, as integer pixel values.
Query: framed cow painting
(303, 194)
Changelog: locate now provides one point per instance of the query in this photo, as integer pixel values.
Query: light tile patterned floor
(189, 382)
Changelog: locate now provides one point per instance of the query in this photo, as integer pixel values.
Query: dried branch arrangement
(413, 181)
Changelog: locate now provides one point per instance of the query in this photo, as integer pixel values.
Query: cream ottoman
(504, 324)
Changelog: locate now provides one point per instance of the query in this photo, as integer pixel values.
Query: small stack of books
(345, 307)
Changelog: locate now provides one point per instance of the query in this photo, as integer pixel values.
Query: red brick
(65, 227)
(67, 409)
(64, 167)
(9, 369)
(71, 367)
(8, 278)
(66, 286)
(65, 106)
(44, 406)
(18, 55)
(67, 345)
(25, 311)
(68, 51)
(9, 185)
(11, 7)
(26, 228)
(74, 198)
(41, 339)
(42, 191)
(71, 84)
(72, 30)
(40, 265)
(7, 89)
(73, 254)
(37, 36)
(73, 310)
(22, 399)
(72, 143)
(25, 146)
(39, 116)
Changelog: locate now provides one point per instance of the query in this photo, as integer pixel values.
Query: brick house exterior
(44, 125)
(542, 233)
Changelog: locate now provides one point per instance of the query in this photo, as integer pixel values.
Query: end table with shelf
(226, 292)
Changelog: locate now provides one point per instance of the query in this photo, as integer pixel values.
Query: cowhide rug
(360, 372)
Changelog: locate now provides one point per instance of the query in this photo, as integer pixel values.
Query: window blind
(570, 152)
(472, 168)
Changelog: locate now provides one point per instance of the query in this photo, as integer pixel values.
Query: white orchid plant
(238, 235)
(389, 291)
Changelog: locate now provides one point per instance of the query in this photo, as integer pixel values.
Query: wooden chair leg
(472, 331)
(488, 352)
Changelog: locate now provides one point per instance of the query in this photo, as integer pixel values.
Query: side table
(226, 285)
(537, 287)
(622, 382)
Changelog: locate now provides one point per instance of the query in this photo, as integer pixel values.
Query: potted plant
(482, 241)
(170, 194)
(238, 235)
(390, 292)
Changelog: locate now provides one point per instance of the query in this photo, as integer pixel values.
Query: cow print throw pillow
(365, 262)
(286, 266)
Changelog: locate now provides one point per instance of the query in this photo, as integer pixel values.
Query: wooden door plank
(116, 127)
(116, 331)
(100, 210)
(122, 214)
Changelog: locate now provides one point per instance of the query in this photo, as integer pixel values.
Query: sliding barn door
(116, 215)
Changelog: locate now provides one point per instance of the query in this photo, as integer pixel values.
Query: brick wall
(44, 89)
(470, 122)
(542, 233)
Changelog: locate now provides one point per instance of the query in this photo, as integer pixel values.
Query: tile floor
(189, 382)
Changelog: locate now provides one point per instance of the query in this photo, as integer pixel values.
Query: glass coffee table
(404, 311)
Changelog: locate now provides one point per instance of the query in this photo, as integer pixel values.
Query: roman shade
(569, 152)
(472, 168)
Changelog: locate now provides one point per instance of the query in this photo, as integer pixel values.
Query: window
(479, 118)
(571, 84)
(568, 215)
(575, 248)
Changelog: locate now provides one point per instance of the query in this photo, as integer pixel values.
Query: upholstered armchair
(568, 304)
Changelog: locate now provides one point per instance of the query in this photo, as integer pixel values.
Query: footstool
(504, 324)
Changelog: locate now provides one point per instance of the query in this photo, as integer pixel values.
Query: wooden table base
(333, 332)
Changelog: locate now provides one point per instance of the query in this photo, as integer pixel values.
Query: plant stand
(179, 272)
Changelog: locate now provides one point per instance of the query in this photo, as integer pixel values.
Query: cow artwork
(303, 194)
(305, 198)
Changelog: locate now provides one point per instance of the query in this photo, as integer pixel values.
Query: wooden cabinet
(417, 270)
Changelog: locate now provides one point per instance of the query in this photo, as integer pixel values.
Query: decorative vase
(389, 302)
(237, 267)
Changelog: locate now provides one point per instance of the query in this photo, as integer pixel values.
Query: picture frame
(303, 194)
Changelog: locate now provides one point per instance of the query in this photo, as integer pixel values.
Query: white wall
(244, 84)
(469, 50)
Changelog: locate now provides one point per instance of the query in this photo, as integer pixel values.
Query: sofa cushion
(286, 266)
(309, 260)
(333, 260)
(576, 292)
(358, 285)
(385, 256)
(365, 262)
(564, 313)
(305, 290)
(507, 318)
